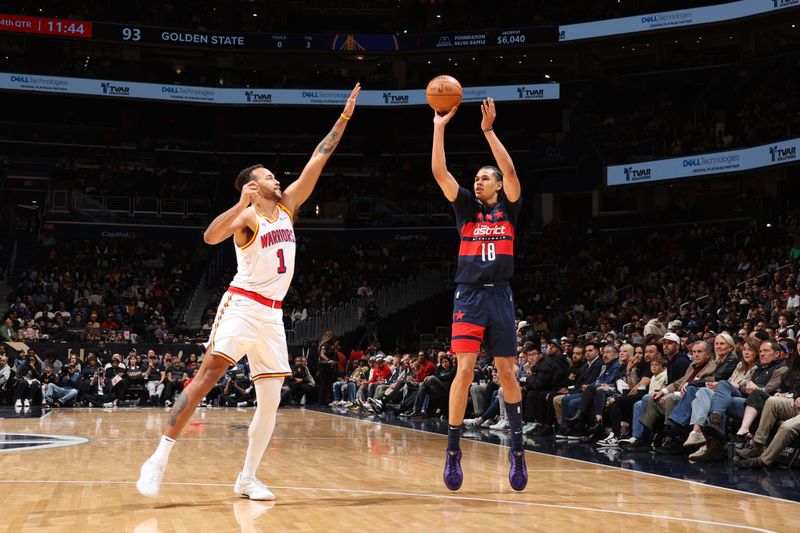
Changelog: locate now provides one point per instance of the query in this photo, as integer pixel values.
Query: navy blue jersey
(486, 254)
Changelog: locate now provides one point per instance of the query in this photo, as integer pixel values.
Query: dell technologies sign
(705, 164)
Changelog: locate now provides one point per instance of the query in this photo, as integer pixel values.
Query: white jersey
(265, 265)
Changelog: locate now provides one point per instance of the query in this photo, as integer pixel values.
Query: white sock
(268, 393)
(161, 454)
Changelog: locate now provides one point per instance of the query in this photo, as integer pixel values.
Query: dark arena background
(656, 261)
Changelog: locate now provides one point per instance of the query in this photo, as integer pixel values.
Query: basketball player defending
(483, 307)
(249, 318)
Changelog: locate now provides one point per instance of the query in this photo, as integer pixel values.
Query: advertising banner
(704, 164)
(306, 97)
(671, 19)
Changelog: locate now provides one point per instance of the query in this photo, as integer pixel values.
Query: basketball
(443, 93)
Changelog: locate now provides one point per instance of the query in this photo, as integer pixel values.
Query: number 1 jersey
(486, 254)
(265, 265)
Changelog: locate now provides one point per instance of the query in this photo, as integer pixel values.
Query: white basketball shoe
(252, 488)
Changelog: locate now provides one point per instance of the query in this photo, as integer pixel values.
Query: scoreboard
(152, 36)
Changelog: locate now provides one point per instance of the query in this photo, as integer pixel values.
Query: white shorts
(246, 327)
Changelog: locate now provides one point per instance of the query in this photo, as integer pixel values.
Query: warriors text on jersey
(486, 254)
(265, 265)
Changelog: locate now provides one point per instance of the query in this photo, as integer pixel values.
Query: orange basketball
(443, 93)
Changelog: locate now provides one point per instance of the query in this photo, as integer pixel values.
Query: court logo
(523, 93)
(16, 442)
(389, 98)
(115, 90)
(633, 174)
(258, 98)
(779, 155)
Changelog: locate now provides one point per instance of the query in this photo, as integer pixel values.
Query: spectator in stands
(97, 389)
(379, 374)
(784, 409)
(27, 386)
(238, 389)
(593, 398)
(786, 330)
(580, 382)
(729, 400)
(7, 333)
(544, 377)
(638, 373)
(694, 405)
(302, 383)
(400, 368)
(662, 402)
(154, 376)
(434, 390)
(5, 380)
(176, 376)
(19, 361)
(116, 376)
(63, 389)
(327, 366)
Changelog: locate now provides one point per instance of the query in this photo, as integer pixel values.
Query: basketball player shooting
(483, 306)
(249, 318)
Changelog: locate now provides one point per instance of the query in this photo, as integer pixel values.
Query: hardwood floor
(332, 473)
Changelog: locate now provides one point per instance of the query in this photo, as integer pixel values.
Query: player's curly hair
(245, 176)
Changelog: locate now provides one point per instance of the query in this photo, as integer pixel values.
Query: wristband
(345, 116)
(487, 130)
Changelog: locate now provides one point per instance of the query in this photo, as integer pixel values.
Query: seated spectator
(434, 390)
(696, 402)
(782, 409)
(301, 383)
(638, 374)
(117, 375)
(63, 390)
(544, 377)
(582, 381)
(176, 376)
(662, 402)
(27, 386)
(238, 391)
(729, 399)
(5, 380)
(154, 377)
(343, 396)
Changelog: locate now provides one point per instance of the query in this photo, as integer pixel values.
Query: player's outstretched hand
(249, 194)
(442, 120)
(350, 105)
(489, 113)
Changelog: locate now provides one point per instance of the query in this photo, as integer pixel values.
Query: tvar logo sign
(632, 174)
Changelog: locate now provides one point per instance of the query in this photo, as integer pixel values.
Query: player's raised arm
(511, 183)
(299, 191)
(446, 181)
(236, 219)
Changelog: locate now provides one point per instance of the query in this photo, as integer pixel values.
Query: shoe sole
(243, 495)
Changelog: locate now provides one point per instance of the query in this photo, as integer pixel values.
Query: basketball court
(74, 470)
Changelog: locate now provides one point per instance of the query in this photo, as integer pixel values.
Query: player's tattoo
(329, 143)
(177, 409)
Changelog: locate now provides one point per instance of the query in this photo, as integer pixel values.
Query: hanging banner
(306, 97)
(704, 164)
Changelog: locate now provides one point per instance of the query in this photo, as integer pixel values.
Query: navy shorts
(484, 313)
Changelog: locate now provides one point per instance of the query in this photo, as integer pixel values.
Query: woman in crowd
(729, 399)
(28, 387)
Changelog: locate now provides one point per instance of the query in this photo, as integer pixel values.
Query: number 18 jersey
(265, 265)
(486, 254)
